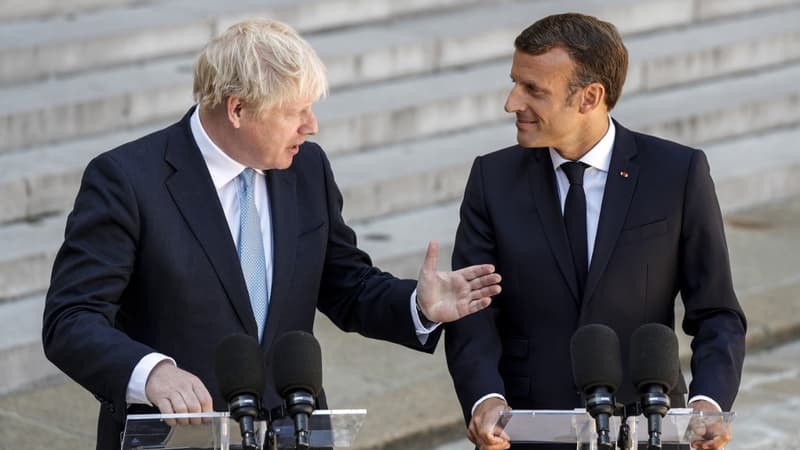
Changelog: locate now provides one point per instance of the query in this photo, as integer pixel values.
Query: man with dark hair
(590, 223)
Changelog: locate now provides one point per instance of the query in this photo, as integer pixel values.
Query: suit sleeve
(354, 294)
(90, 273)
(472, 343)
(713, 315)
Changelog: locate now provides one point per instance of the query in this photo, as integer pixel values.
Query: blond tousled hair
(263, 62)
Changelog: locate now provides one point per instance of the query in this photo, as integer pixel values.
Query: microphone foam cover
(297, 363)
(239, 365)
(654, 356)
(596, 359)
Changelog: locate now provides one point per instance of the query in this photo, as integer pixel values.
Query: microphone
(654, 371)
(297, 370)
(597, 369)
(239, 365)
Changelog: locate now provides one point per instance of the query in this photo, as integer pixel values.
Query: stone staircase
(418, 92)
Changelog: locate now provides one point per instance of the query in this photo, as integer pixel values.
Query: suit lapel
(283, 209)
(191, 188)
(543, 184)
(623, 174)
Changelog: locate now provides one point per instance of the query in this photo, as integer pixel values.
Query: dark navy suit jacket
(148, 265)
(660, 234)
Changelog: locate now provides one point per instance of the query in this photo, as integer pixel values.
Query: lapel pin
(623, 174)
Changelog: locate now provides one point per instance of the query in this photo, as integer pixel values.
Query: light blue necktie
(251, 249)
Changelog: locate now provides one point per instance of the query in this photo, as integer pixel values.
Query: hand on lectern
(174, 390)
(709, 434)
(483, 430)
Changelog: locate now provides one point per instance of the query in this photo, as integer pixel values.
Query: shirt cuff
(708, 399)
(422, 329)
(136, 392)
(487, 396)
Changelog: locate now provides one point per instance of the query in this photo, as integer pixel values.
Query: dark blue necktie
(575, 221)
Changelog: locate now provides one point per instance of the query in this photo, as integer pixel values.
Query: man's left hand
(711, 435)
(449, 296)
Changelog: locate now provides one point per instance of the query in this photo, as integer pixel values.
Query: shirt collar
(222, 167)
(598, 156)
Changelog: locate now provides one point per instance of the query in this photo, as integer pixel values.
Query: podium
(218, 431)
(679, 426)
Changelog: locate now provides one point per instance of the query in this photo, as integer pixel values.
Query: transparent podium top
(329, 428)
(679, 426)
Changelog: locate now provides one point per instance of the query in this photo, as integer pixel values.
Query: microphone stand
(624, 439)
(271, 439)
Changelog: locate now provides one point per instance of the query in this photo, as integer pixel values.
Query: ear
(233, 109)
(593, 97)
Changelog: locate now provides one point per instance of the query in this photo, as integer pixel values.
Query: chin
(529, 141)
(285, 164)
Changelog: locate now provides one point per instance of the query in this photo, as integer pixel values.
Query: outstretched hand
(449, 296)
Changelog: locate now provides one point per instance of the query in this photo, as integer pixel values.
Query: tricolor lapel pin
(623, 174)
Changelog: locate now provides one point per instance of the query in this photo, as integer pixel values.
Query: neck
(215, 124)
(593, 132)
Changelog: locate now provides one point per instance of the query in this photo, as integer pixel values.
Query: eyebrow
(531, 84)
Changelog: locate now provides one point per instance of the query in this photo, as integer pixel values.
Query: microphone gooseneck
(597, 369)
(239, 366)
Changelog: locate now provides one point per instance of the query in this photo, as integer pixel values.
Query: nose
(513, 102)
(310, 125)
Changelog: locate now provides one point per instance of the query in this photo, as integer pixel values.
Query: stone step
(27, 251)
(105, 100)
(708, 111)
(37, 49)
(23, 360)
(44, 180)
(461, 38)
(27, 9)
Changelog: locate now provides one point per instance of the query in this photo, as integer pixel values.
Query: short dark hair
(594, 45)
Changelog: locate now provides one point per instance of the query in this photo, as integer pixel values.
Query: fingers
(487, 291)
(431, 257)
(484, 280)
(175, 391)
(483, 430)
(479, 304)
(474, 272)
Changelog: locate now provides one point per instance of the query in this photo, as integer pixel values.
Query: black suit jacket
(148, 265)
(660, 234)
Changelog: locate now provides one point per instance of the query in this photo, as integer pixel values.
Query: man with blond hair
(226, 222)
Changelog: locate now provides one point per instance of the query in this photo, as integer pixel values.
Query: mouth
(525, 124)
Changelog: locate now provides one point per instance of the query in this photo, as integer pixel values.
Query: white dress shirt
(224, 170)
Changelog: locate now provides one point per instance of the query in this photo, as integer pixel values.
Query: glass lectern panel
(329, 428)
(679, 426)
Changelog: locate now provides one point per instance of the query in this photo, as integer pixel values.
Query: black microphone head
(596, 359)
(654, 356)
(297, 363)
(239, 364)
